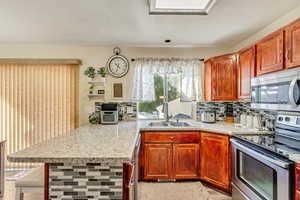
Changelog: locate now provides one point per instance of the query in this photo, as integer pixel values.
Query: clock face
(118, 66)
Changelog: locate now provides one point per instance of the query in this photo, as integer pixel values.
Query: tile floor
(147, 191)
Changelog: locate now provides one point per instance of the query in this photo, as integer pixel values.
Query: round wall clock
(117, 65)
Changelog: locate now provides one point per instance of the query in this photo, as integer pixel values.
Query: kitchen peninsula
(97, 161)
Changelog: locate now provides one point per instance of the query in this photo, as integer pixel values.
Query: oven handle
(279, 163)
(291, 92)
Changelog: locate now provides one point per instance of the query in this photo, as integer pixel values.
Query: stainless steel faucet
(166, 101)
(166, 111)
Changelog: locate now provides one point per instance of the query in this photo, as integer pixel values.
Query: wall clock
(117, 65)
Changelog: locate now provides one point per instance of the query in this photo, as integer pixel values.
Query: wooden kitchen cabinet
(269, 53)
(208, 87)
(221, 78)
(246, 71)
(158, 161)
(186, 161)
(297, 181)
(170, 155)
(292, 45)
(215, 160)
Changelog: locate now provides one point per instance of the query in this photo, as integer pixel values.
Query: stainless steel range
(262, 165)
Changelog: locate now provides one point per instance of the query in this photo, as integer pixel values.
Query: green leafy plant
(94, 119)
(90, 72)
(102, 72)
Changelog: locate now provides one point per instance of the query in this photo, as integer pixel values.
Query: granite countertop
(87, 144)
(107, 143)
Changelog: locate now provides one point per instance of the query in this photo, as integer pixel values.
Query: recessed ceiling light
(183, 7)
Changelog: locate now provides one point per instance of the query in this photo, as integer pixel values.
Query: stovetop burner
(268, 142)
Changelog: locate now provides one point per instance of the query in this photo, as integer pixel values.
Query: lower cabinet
(170, 155)
(158, 161)
(215, 159)
(297, 181)
(186, 155)
(186, 161)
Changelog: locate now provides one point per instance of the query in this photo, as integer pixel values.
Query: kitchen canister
(243, 120)
(249, 121)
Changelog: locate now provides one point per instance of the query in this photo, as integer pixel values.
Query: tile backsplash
(234, 109)
(127, 111)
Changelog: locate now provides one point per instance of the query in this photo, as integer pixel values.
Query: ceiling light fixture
(180, 7)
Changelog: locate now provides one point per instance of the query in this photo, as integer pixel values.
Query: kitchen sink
(169, 124)
(185, 124)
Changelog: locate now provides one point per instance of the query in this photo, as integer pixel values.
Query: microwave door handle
(293, 84)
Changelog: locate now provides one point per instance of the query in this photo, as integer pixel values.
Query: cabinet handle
(172, 137)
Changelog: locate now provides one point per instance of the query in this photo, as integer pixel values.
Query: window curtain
(190, 71)
(37, 102)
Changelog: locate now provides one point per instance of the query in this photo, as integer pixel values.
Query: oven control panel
(288, 120)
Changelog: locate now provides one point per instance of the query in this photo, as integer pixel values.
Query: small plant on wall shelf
(102, 72)
(90, 72)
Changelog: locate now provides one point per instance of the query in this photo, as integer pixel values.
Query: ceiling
(126, 22)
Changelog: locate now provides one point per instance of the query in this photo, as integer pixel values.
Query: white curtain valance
(146, 68)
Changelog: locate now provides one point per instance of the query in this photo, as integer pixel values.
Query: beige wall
(277, 24)
(97, 56)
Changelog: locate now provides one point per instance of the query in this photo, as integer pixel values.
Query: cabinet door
(186, 161)
(246, 71)
(297, 182)
(292, 38)
(208, 80)
(224, 77)
(158, 161)
(270, 53)
(214, 160)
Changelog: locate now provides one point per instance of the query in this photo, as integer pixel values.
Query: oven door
(259, 175)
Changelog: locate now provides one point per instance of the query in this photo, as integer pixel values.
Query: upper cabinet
(292, 45)
(207, 80)
(228, 77)
(246, 71)
(269, 56)
(220, 78)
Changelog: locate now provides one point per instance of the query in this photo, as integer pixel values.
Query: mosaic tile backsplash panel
(127, 111)
(92, 181)
(234, 109)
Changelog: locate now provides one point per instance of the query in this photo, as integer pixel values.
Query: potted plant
(102, 72)
(94, 118)
(90, 72)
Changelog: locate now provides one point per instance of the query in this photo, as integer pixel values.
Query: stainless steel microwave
(277, 91)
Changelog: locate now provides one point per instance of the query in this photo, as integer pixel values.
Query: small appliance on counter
(208, 116)
(109, 113)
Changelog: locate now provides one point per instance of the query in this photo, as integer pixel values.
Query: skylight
(197, 7)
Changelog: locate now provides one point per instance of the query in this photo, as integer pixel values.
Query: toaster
(208, 116)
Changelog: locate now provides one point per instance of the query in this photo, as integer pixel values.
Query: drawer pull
(172, 137)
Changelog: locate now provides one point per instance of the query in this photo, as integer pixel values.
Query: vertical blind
(37, 102)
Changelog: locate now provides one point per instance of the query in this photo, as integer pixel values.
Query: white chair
(33, 182)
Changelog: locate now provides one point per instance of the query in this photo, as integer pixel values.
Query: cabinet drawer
(172, 137)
